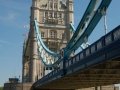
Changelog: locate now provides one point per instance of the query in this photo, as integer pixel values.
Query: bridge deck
(99, 64)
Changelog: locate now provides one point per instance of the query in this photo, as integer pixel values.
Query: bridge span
(98, 64)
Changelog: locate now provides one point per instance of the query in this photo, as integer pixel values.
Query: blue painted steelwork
(105, 49)
(72, 28)
(41, 41)
(74, 44)
(88, 11)
(85, 18)
(84, 29)
(55, 57)
(48, 57)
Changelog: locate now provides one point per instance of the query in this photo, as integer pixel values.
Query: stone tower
(54, 17)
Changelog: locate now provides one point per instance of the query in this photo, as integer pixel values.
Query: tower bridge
(49, 61)
(97, 65)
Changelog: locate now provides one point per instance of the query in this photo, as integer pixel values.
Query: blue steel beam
(42, 46)
(80, 33)
(89, 10)
(41, 41)
(72, 28)
(109, 48)
(47, 56)
(86, 33)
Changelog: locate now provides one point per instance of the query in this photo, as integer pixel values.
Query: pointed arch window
(55, 5)
(50, 14)
(42, 34)
(51, 5)
(46, 14)
(53, 34)
(55, 14)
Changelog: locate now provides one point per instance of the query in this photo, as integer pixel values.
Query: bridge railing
(95, 52)
(99, 45)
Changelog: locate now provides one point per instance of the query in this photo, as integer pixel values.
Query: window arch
(53, 34)
(45, 14)
(42, 34)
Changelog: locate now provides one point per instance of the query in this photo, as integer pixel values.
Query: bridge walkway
(97, 65)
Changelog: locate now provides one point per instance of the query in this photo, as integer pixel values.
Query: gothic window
(55, 14)
(46, 14)
(53, 34)
(50, 14)
(55, 5)
(60, 15)
(51, 5)
(64, 36)
(42, 34)
(60, 21)
(71, 7)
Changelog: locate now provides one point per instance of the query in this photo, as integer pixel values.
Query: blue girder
(41, 41)
(90, 17)
(89, 10)
(72, 28)
(94, 21)
(43, 50)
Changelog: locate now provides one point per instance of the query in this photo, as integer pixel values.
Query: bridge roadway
(99, 64)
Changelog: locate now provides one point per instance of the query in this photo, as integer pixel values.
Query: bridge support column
(33, 56)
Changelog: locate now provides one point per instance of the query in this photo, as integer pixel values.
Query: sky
(14, 21)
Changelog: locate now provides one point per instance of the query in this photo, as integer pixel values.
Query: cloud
(19, 5)
(3, 42)
(9, 17)
(14, 13)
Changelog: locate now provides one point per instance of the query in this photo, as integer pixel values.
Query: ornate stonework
(54, 17)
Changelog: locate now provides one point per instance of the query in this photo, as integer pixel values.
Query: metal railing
(92, 54)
